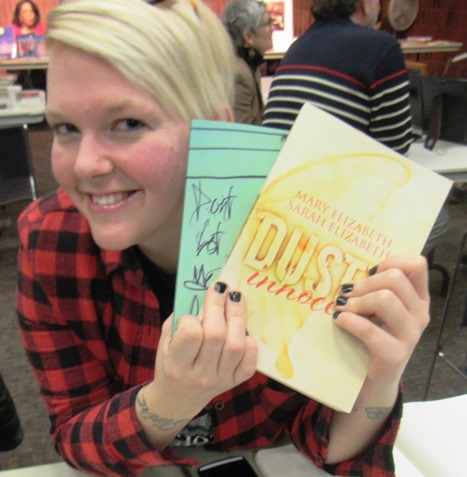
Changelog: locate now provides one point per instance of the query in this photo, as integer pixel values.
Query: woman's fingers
(239, 351)
(408, 286)
(388, 311)
(214, 347)
(180, 348)
(414, 267)
(380, 321)
(214, 328)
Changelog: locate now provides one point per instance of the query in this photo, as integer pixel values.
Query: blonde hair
(178, 50)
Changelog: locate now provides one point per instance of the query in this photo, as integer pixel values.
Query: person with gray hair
(250, 27)
(98, 260)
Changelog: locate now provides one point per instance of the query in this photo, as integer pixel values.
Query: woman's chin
(111, 240)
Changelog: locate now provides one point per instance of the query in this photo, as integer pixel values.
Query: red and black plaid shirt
(90, 325)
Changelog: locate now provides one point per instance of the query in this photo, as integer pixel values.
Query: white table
(29, 109)
(298, 466)
(61, 469)
(447, 158)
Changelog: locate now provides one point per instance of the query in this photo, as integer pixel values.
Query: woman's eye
(128, 125)
(64, 129)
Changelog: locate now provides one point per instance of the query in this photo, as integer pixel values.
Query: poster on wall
(281, 12)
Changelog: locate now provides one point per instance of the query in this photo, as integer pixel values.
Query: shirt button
(219, 406)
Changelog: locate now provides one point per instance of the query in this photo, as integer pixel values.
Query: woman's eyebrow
(114, 108)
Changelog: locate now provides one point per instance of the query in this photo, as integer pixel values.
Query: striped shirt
(353, 72)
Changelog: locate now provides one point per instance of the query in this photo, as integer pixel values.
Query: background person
(27, 19)
(97, 263)
(344, 66)
(250, 27)
(11, 431)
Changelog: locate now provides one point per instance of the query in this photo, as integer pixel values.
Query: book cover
(227, 166)
(7, 42)
(335, 204)
(30, 45)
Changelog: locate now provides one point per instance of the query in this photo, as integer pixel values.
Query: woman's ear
(228, 114)
(224, 113)
(247, 39)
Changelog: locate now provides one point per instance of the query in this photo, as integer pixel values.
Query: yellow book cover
(335, 203)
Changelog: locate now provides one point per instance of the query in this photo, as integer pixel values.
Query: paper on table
(286, 461)
(433, 436)
(404, 467)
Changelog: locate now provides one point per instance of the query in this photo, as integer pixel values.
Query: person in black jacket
(11, 431)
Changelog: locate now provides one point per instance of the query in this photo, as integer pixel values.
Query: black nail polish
(341, 301)
(235, 296)
(373, 270)
(220, 287)
(346, 287)
(335, 314)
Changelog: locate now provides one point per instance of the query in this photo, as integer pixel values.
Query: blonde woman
(98, 258)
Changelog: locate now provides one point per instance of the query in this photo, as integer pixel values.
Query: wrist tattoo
(377, 412)
(157, 421)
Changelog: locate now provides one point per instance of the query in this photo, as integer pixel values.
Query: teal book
(227, 166)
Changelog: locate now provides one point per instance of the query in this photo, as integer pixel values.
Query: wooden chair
(418, 66)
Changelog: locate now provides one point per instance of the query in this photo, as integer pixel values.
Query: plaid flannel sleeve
(93, 418)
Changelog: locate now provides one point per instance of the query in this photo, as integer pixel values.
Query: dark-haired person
(344, 66)
(27, 19)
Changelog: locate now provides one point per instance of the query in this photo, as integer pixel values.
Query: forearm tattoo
(161, 423)
(375, 412)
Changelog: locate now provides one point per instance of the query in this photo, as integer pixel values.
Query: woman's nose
(92, 159)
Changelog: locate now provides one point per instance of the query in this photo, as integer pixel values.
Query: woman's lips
(109, 199)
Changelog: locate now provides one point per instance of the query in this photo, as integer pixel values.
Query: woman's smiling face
(117, 153)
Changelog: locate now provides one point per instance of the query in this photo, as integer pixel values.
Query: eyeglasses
(269, 23)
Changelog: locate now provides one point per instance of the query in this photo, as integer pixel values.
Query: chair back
(16, 174)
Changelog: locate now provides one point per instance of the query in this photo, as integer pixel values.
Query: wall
(442, 19)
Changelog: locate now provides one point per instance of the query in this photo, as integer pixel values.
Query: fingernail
(341, 300)
(335, 314)
(346, 287)
(373, 270)
(220, 287)
(235, 296)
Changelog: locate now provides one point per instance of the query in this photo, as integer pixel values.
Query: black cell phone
(236, 466)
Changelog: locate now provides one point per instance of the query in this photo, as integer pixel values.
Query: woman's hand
(388, 312)
(209, 354)
(204, 357)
